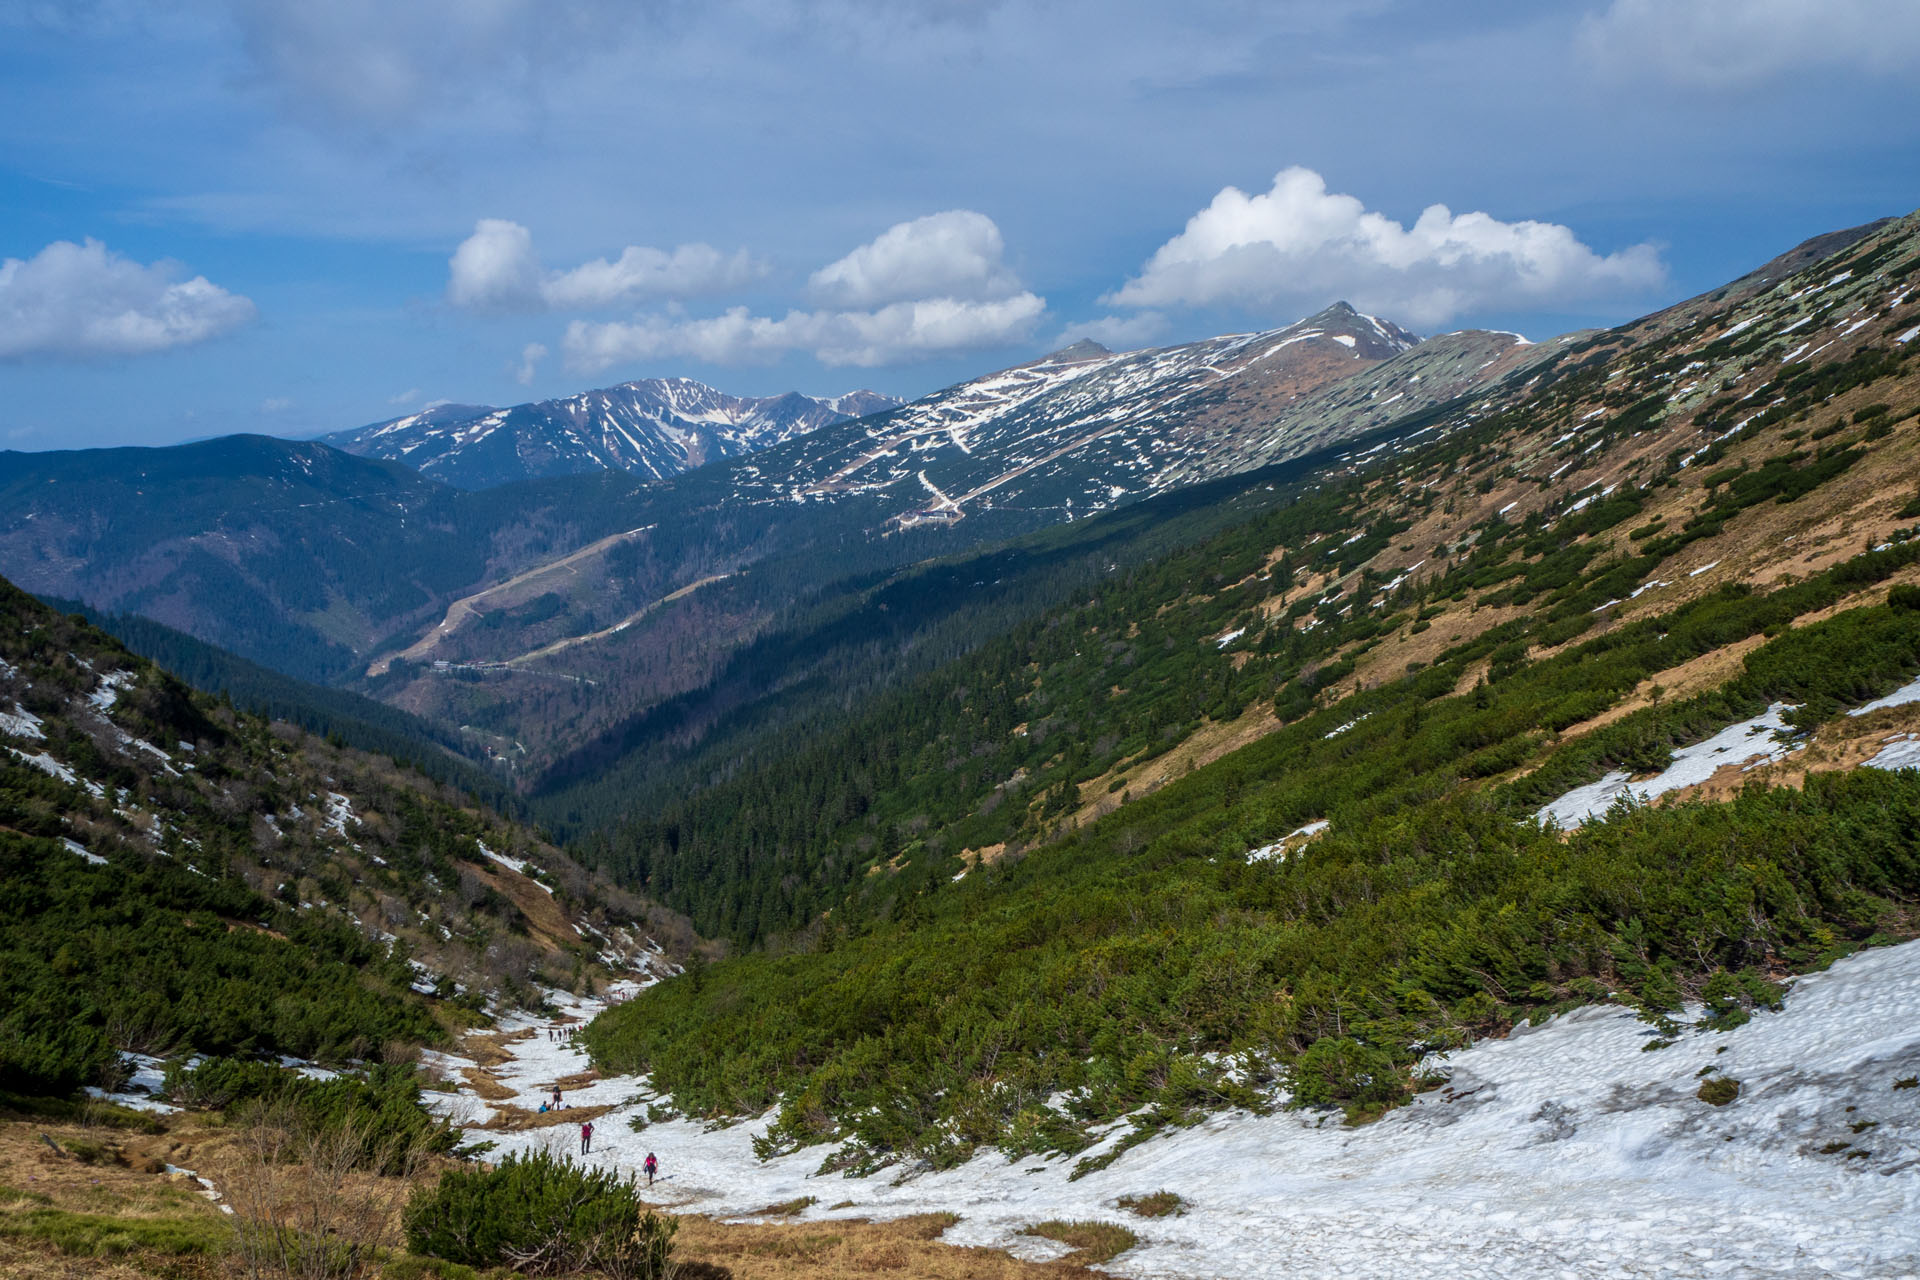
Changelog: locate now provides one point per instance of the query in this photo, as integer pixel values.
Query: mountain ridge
(652, 427)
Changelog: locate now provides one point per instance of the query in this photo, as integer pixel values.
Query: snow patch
(80, 850)
(22, 723)
(1751, 743)
(1909, 692)
(1278, 849)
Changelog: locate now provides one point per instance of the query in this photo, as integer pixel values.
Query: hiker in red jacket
(652, 1167)
(586, 1137)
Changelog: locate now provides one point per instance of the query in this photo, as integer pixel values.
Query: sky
(293, 218)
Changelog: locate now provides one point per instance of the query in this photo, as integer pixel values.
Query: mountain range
(1041, 770)
(656, 428)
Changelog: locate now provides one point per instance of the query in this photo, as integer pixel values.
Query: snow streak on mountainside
(658, 427)
(1085, 429)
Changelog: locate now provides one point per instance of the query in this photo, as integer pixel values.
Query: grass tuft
(786, 1208)
(1719, 1091)
(1158, 1205)
(1092, 1242)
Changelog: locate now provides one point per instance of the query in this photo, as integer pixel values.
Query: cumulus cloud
(497, 269)
(1120, 333)
(893, 334)
(80, 300)
(1740, 44)
(530, 357)
(956, 254)
(933, 286)
(1301, 243)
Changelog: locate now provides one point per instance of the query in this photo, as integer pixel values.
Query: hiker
(586, 1137)
(652, 1167)
(543, 1106)
(556, 1097)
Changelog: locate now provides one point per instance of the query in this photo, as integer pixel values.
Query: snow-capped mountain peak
(656, 427)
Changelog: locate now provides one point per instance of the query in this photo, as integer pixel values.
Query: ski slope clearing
(1564, 1150)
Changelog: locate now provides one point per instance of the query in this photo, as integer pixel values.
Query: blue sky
(281, 216)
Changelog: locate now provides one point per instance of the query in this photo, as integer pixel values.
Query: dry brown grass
(907, 1248)
(508, 1118)
(490, 1049)
(487, 1085)
(1092, 1242)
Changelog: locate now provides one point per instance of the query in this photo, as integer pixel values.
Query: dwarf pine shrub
(542, 1215)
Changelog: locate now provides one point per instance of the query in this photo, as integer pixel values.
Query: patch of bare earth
(1205, 745)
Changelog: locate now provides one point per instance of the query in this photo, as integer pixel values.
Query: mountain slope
(289, 553)
(655, 428)
(1084, 429)
(1262, 822)
(182, 877)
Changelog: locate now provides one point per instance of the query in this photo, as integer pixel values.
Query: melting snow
(21, 723)
(81, 850)
(1348, 725)
(46, 764)
(108, 693)
(1901, 752)
(1737, 744)
(1900, 697)
(1563, 1150)
(1278, 849)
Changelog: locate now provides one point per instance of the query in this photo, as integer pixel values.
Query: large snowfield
(1564, 1150)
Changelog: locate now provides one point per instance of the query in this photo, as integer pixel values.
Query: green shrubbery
(1117, 967)
(385, 1102)
(541, 1215)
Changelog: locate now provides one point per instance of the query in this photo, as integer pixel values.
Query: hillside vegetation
(1015, 901)
(177, 876)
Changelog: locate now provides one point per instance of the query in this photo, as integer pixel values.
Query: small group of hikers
(556, 1105)
(561, 1035)
(651, 1165)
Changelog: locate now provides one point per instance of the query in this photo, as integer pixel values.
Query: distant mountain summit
(657, 427)
(1085, 429)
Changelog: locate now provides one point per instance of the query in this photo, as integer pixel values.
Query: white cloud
(892, 334)
(1300, 243)
(406, 397)
(1739, 44)
(956, 254)
(1121, 333)
(929, 287)
(530, 357)
(79, 300)
(276, 404)
(497, 269)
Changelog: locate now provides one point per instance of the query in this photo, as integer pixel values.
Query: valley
(1336, 779)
